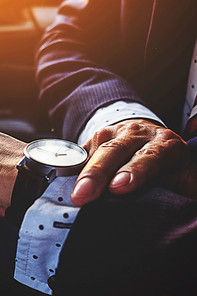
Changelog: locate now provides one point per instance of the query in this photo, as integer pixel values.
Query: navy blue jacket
(97, 52)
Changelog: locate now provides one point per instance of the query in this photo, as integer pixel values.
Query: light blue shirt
(47, 222)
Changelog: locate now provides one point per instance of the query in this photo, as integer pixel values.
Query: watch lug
(51, 176)
(21, 163)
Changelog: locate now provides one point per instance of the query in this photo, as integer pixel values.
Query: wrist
(11, 151)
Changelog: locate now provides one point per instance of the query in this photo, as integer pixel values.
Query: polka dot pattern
(191, 90)
(43, 233)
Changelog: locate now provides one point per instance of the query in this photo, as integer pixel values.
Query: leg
(145, 244)
(8, 243)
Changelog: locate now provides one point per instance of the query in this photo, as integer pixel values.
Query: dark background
(22, 24)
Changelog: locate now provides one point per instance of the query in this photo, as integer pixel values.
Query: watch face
(56, 153)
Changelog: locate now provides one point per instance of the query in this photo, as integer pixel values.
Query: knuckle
(167, 134)
(98, 134)
(102, 135)
(152, 152)
(171, 140)
(133, 127)
(138, 131)
(164, 135)
(98, 138)
(115, 144)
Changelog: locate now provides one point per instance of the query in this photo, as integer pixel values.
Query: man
(130, 154)
(80, 61)
(92, 63)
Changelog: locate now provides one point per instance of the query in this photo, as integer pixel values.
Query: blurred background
(22, 23)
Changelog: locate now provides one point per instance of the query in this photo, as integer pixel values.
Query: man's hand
(11, 151)
(126, 156)
(184, 181)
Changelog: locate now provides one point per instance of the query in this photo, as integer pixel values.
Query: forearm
(73, 84)
(11, 151)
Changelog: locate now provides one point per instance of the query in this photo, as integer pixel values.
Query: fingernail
(85, 188)
(121, 179)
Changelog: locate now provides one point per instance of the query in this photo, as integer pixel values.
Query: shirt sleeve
(114, 113)
(34, 266)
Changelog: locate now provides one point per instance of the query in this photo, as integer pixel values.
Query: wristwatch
(43, 160)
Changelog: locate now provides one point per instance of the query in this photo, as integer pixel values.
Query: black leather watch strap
(28, 187)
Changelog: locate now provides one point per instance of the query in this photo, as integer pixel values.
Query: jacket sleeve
(76, 72)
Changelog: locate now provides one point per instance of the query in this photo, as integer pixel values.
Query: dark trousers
(142, 244)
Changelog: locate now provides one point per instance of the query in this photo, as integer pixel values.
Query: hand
(184, 181)
(11, 151)
(126, 156)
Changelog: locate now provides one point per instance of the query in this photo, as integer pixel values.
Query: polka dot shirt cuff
(43, 232)
(113, 113)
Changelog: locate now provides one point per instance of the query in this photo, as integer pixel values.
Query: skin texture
(129, 155)
(123, 157)
(11, 151)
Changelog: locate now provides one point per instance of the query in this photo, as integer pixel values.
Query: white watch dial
(54, 152)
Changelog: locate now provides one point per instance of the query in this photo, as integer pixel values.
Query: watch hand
(57, 154)
(58, 150)
(60, 154)
(46, 151)
(68, 159)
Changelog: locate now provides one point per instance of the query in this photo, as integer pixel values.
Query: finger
(95, 176)
(136, 132)
(157, 157)
(129, 136)
(186, 181)
(104, 135)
